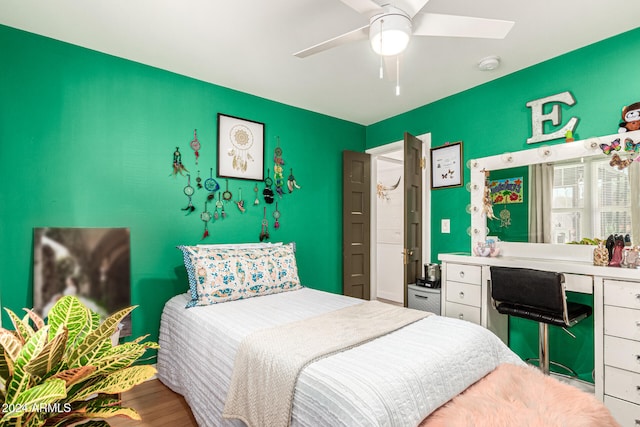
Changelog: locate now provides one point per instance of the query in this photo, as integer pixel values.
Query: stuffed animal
(630, 118)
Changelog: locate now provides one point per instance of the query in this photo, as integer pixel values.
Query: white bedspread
(395, 380)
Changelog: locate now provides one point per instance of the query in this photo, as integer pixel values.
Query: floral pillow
(223, 274)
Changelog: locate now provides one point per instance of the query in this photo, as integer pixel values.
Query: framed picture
(240, 148)
(446, 168)
(92, 264)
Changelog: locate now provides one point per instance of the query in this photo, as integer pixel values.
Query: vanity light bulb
(592, 144)
(472, 231)
(472, 164)
(507, 157)
(544, 151)
(472, 209)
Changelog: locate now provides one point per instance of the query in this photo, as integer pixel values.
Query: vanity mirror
(575, 194)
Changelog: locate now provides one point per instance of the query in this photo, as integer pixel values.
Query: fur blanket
(521, 396)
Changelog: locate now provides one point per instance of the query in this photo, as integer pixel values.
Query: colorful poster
(505, 191)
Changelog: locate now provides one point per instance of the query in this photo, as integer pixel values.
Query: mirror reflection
(576, 200)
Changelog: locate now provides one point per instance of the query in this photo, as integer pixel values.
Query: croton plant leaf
(59, 373)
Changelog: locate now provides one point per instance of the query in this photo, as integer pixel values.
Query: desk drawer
(622, 294)
(578, 283)
(621, 353)
(622, 322)
(622, 384)
(463, 293)
(464, 273)
(464, 312)
(626, 414)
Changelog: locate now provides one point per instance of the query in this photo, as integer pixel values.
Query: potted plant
(67, 369)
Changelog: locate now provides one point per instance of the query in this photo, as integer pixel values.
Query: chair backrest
(539, 290)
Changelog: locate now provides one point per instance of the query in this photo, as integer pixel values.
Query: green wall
(86, 140)
(492, 118)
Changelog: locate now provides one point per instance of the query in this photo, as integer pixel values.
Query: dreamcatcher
(242, 140)
(487, 204)
(205, 216)
(268, 192)
(211, 185)
(276, 216)
(188, 191)
(264, 232)
(277, 169)
(505, 217)
(178, 167)
(226, 195)
(240, 202)
(256, 202)
(195, 145)
(291, 182)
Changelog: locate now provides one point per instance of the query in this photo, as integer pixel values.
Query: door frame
(426, 203)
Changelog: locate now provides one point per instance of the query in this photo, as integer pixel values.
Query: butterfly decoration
(448, 174)
(630, 146)
(617, 161)
(608, 148)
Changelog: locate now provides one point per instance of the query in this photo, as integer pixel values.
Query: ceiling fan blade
(364, 7)
(410, 7)
(434, 24)
(355, 35)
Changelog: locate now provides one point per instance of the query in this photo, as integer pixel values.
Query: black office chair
(539, 296)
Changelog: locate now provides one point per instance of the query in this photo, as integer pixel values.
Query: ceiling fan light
(389, 34)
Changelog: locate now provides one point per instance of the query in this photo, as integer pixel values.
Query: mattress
(395, 380)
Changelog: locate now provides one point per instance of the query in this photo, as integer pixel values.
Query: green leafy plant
(68, 370)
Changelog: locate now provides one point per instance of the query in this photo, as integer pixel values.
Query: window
(590, 199)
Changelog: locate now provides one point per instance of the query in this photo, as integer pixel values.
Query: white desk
(616, 291)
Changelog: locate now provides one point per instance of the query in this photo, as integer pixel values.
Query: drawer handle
(425, 297)
(461, 295)
(462, 275)
(461, 316)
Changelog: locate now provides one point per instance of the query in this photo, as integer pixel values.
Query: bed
(421, 373)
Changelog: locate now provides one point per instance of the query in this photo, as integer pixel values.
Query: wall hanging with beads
(236, 139)
(240, 148)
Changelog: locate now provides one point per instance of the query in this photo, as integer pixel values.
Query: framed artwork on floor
(92, 264)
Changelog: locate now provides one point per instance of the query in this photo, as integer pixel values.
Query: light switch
(445, 226)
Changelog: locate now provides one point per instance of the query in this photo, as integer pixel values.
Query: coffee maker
(431, 277)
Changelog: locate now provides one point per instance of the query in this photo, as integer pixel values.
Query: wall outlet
(445, 226)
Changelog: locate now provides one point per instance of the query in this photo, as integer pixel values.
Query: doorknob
(406, 253)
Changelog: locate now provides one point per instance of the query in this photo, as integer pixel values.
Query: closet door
(356, 224)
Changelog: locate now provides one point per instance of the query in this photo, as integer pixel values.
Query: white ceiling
(248, 44)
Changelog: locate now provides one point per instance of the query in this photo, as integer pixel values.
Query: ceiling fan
(391, 26)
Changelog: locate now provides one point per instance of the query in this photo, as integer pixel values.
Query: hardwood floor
(157, 405)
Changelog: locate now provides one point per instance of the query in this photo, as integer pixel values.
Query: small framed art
(446, 169)
(240, 148)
